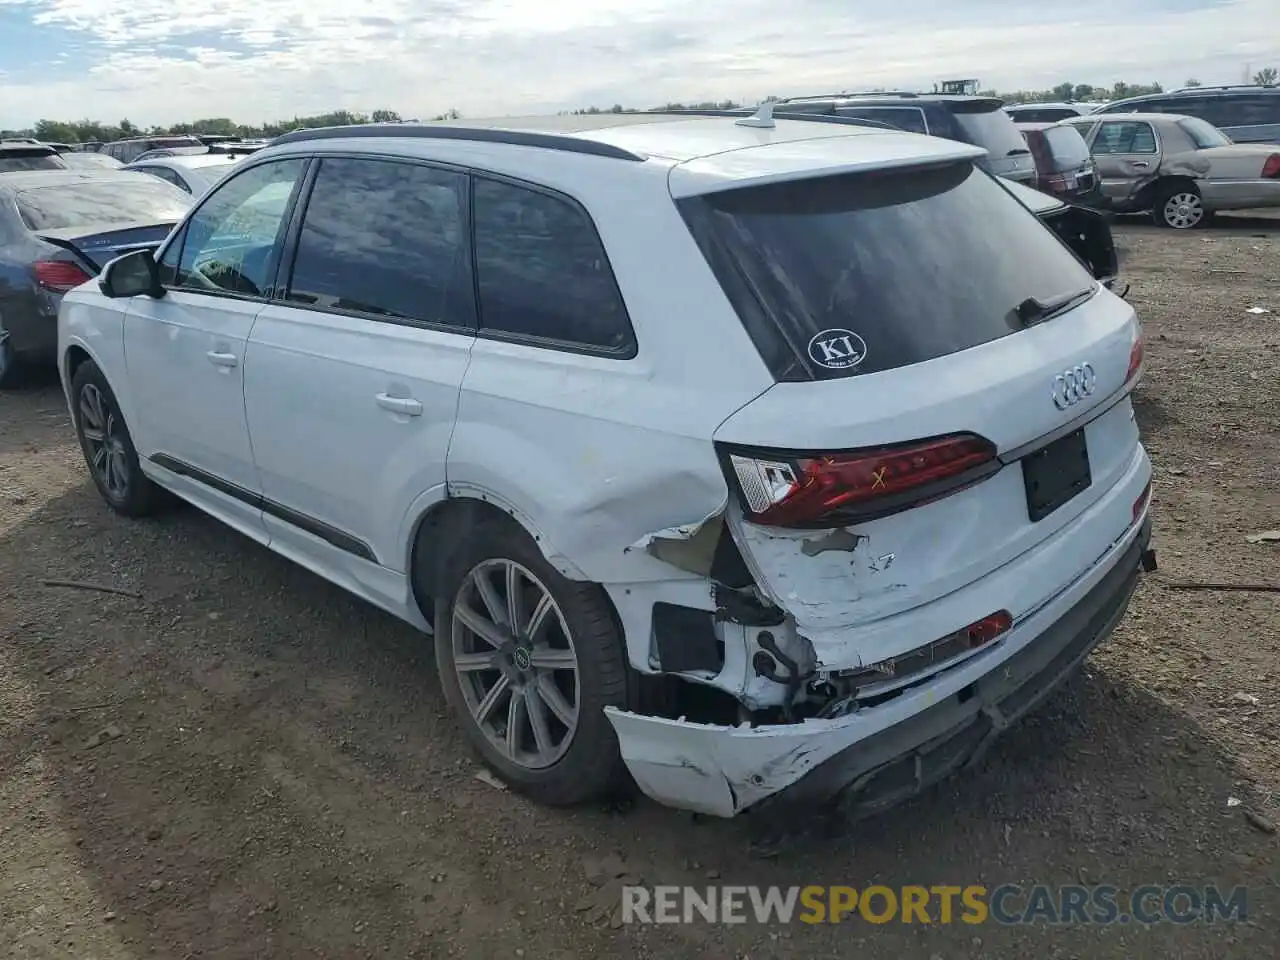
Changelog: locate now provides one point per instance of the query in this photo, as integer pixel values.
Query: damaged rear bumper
(881, 755)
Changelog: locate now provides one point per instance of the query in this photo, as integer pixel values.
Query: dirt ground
(245, 762)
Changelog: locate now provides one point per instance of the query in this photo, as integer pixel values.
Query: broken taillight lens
(1271, 169)
(831, 489)
(1140, 505)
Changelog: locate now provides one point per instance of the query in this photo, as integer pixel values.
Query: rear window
(130, 200)
(13, 159)
(1067, 148)
(1203, 135)
(993, 130)
(860, 273)
(1041, 114)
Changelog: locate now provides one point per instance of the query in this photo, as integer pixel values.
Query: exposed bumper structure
(881, 755)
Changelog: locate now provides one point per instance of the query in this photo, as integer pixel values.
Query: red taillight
(1140, 505)
(987, 629)
(1271, 169)
(1135, 359)
(59, 276)
(835, 488)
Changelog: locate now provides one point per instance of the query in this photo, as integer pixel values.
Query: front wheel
(108, 448)
(1180, 208)
(528, 660)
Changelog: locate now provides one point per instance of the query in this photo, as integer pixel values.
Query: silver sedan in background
(1181, 169)
(192, 173)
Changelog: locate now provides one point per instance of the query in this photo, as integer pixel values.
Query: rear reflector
(1271, 169)
(934, 655)
(832, 489)
(1140, 505)
(59, 276)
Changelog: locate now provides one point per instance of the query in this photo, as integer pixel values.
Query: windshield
(1204, 134)
(916, 263)
(37, 158)
(1066, 147)
(114, 200)
(993, 130)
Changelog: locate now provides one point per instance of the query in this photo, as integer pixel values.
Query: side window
(385, 238)
(165, 174)
(232, 241)
(542, 272)
(910, 119)
(1125, 136)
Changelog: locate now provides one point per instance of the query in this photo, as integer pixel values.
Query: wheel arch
(1149, 194)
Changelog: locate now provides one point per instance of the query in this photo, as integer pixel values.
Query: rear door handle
(407, 406)
(219, 359)
(1141, 164)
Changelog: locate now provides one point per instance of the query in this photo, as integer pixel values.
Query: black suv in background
(1246, 114)
(976, 120)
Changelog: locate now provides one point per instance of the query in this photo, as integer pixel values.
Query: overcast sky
(162, 61)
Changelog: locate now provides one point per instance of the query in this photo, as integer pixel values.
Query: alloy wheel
(1182, 211)
(100, 427)
(516, 664)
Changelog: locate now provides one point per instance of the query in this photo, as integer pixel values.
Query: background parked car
(1180, 168)
(1246, 114)
(1064, 167)
(28, 155)
(191, 174)
(57, 229)
(126, 151)
(1048, 112)
(976, 120)
(80, 160)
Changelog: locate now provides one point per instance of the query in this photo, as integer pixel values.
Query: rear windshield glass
(125, 200)
(1203, 135)
(1066, 147)
(867, 272)
(993, 130)
(1042, 114)
(40, 158)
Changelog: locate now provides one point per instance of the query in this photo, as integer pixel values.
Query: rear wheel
(1180, 207)
(528, 661)
(108, 448)
(8, 362)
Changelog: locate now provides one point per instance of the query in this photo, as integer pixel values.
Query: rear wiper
(1034, 310)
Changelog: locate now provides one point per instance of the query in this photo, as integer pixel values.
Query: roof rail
(850, 94)
(518, 138)
(1218, 86)
(777, 114)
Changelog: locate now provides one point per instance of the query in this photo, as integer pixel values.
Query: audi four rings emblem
(1073, 385)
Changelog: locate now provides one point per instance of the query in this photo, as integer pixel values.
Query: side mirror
(131, 275)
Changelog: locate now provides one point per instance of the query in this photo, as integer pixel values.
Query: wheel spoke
(100, 458)
(91, 408)
(489, 596)
(487, 631)
(538, 619)
(515, 599)
(471, 662)
(120, 468)
(110, 473)
(553, 658)
(515, 721)
(565, 712)
(486, 706)
(537, 711)
(92, 434)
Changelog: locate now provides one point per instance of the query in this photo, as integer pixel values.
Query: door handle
(407, 406)
(1141, 164)
(219, 359)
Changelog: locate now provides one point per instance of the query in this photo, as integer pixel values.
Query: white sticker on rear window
(837, 349)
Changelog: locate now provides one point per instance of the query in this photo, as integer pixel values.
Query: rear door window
(542, 272)
(874, 271)
(1125, 136)
(993, 130)
(386, 239)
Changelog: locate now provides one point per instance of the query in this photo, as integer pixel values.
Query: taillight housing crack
(821, 490)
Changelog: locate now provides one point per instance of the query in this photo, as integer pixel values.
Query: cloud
(157, 62)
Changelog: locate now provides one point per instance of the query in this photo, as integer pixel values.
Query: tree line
(83, 131)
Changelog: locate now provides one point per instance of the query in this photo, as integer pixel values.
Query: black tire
(134, 495)
(1188, 216)
(591, 767)
(8, 362)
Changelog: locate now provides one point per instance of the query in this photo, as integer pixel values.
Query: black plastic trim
(517, 138)
(317, 528)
